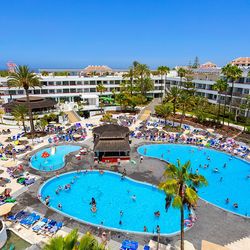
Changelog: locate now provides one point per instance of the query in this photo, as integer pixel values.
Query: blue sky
(75, 33)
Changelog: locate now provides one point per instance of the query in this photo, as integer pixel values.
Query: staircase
(73, 116)
(241, 244)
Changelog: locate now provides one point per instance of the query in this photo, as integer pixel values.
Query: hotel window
(86, 83)
(51, 83)
(111, 82)
(99, 82)
(65, 90)
(20, 92)
(58, 83)
(79, 90)
(65, 83)
(72, 83)
(117, 82)
(79, 83)
(51, 91)
(44, 83)
(246, 91)
(92, 89)
(59, 91)
(44, 91)
(92, 83)
(12, 92)
(37, 91)
(105, 82)
(72, 90)
(86, 90)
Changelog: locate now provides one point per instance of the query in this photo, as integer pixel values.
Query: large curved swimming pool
(112, 195)
(55, 160)
(231, 181)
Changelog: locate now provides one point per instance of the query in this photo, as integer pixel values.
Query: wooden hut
(111, 143)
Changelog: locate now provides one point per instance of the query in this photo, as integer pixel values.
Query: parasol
(6, 208)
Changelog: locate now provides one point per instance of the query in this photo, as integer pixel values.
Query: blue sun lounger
(14, 217)
(55, 228)
(129, 245)
(30, 220)
(40, 225)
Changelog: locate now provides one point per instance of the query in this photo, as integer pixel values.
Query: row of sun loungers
(43, 226)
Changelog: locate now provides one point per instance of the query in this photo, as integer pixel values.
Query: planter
(3, 234)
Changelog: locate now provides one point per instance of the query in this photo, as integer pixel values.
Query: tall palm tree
(200, 107)
(19, 113)
(181, 73)
(130, 75)
(186, 101)
(163, 71)
(101, 88)
(180, 186)
(221, 86)
(26, 79)
(231, 72)
(173, 96)
(163, 110)
(143, 80)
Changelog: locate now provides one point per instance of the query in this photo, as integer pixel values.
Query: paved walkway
(213, 224)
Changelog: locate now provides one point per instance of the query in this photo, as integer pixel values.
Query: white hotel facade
(74, 88)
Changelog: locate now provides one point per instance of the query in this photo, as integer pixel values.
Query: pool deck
(214, 224)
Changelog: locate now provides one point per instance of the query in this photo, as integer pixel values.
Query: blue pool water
(112, 195)
(234, 184)
(54, 161)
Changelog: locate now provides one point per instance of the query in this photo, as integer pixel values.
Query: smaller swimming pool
(55, 159)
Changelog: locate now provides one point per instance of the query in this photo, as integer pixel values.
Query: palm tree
(221, 86)
(24, 78)
(71, 242)
(19, 113)
(185, 101)
(101, 88)
(163, 110)
(163, 71)
(200, 107)
(181, 73)
(143, 80)
(231, 72)
(130, 75)
(180, 186)
(173, 96)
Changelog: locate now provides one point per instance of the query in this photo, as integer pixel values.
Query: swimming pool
(55, 160)
(112, 195)
(229, 182)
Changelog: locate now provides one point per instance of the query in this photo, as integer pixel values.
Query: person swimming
(216, 170)
(133, 197)
(236, 205)
(227, 200)
(157, 214)
(145, 229)
(93, 202)
(59, 206)
(93, 208)
(121, 213)
(225, 165)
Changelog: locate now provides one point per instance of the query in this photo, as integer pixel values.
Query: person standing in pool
(168, 202)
